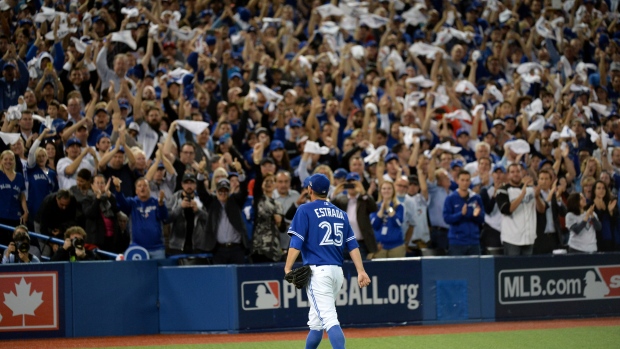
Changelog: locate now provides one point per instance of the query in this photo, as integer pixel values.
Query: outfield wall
(148, 297)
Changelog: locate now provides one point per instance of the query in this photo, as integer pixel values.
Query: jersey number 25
(328, 239)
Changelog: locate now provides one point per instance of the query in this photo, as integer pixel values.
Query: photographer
(188, 218)
(19, 249)
(73, 248)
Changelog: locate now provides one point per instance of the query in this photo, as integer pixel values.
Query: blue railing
(106, 254)
(46, 239)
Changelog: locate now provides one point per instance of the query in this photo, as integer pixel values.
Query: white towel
(270, 94)
(9, 138)
(125, 37)
(375, 154)
(195, 127)
(459, 114)
(314, 148)
(421, 81)
(448, 147)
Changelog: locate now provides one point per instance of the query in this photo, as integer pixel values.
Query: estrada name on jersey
(328, 212)
(320, 231)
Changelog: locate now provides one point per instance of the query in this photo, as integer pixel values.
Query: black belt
(229, 244)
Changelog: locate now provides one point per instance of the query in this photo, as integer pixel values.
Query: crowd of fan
(193, 126)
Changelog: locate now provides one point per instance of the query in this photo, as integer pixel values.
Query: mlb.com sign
(561, 284)
(29, 301)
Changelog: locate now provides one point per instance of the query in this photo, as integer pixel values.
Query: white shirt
(584, 241)
(519, 228)
(494, 219)
(416, 208)
(287, 200)
(65, 181)
(550, 227)
(148, 138)
(352, 213)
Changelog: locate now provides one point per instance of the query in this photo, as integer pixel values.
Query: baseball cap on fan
(319, 183)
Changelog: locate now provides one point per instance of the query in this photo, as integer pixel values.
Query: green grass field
(565, 338)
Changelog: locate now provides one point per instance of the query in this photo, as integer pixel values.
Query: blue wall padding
(198, 299)
(487, 287)
(114, 299)
(446, 269)
(452, 300)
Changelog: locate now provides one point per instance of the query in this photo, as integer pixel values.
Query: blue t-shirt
(10, 192)
(320, 231)
(39, 186)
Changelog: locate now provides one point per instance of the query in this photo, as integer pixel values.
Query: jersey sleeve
(298, 231)
(349, 237)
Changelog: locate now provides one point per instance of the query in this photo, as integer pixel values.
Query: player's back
(325, 230)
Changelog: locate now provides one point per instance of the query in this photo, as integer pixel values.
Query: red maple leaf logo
(23, 302)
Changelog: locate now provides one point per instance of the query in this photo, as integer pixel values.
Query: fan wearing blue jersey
(320, 231)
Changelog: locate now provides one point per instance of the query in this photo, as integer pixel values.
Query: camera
(22, 246)
(349, 185)
(189, 197)
(77, 243)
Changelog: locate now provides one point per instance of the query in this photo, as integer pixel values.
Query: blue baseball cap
(510, 117)
(210, 40)
(173, 81)
(296, 122)
(353, 176)
(224, 138)
(195, 104)
(390, 157)
(102, 136)
(422, 103)
(120, 149)
(456, 163)
(542, 163)
(62, 125)
(235, 75)
(275, 145)
(371, 43)
(319, 184)
(244, 14)
(24, 21)
(306, 183)
(161, 166)
(73, 141)
(462, 132)
(123, 103)
(8, 65)
(204, 13)
(340, 173)
(499, 167)
(550, 126)
(419, 35)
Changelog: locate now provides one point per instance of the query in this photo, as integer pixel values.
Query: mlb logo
(29, 301)
(260, 295)
(610, 276)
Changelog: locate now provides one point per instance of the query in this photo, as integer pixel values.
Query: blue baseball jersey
(10, 196)
(320, 231)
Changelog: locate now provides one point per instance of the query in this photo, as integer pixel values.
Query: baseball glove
(299, 277)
